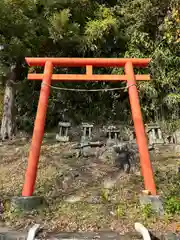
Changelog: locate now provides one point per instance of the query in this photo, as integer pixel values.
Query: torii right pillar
(141, 138)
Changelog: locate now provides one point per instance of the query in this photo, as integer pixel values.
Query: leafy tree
(83, 28)
(151, 35)
(21, 34)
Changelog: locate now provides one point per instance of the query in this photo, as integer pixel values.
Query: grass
(61, 177)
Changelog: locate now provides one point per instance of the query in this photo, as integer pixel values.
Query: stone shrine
(113, 134)
(154, 134)
(132, 136)
(86, 131)
(176, 136)
(62, 136)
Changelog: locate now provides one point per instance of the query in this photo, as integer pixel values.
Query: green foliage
(171, 27)
(147, 211)
(98, 29)
(105, 195)
(120, 211)
(61, 26)
(170, 126)
(82, 28)
(172, 205)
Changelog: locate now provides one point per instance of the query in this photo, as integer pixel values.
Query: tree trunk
(7, 125)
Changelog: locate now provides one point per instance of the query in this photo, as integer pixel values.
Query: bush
(172, 205)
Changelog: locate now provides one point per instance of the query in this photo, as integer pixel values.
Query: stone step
(7, 234)
(104, 235)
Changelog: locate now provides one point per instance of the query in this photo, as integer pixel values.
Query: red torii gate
(89, 63)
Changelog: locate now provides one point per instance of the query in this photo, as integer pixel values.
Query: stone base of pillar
(27, 203)
(154, 201)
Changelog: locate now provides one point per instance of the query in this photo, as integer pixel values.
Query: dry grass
(61, 176)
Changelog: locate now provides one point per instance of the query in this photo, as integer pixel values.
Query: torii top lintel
(82, 62)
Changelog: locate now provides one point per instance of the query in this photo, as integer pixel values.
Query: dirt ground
(84, 194)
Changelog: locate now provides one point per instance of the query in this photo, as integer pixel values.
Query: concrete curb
(32, 234)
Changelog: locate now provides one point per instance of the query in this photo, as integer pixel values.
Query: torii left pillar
(28, 202)
(38, 132)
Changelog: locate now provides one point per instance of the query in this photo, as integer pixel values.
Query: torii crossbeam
(89, 63)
